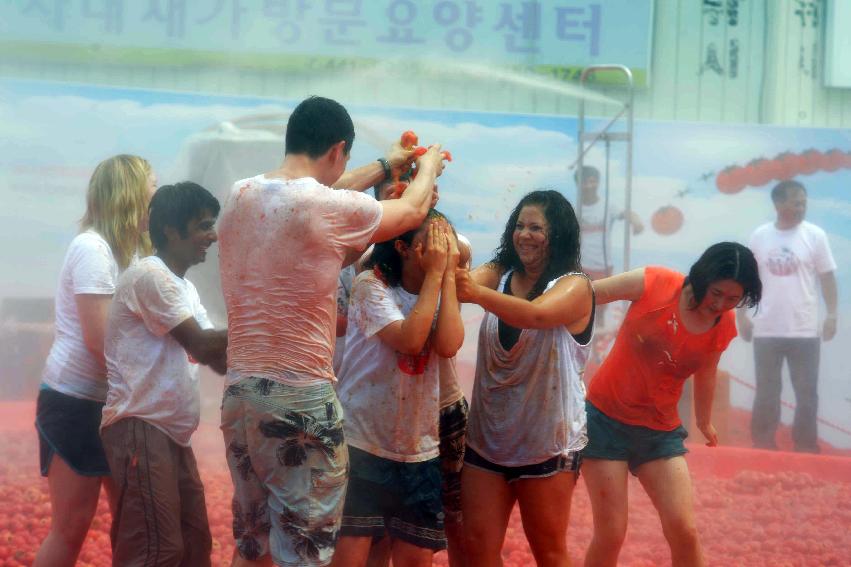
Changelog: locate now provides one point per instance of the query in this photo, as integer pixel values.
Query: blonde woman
(113, 233)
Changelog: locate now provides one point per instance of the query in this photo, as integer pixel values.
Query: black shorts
(401, 499)
(612, 440)
(560, 463)
(70, 427)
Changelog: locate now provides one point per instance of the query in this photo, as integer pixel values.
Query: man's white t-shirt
(391, 400)
(281, 248)
(790, 263)
(89, 268)
(151, 376)
(597, 235)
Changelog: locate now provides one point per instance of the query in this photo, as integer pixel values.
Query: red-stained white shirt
(281, 246)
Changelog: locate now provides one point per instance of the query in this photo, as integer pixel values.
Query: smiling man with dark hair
(157, 334)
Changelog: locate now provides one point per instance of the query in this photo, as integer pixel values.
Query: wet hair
(781, 191)
(726, 261)
(588, 171)
(386, 259)
(176, 205)
(116, 204)
(315, 125)
(563, 238)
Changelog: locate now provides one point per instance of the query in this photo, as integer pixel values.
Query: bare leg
(608, 491)
(351, 551)
(379, 553)
(73, 503)
(668, 483)
(455, 547)
(486, 502)
(545, 509)
(408, 555)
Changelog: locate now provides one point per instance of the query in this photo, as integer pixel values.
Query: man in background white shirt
(794, 262)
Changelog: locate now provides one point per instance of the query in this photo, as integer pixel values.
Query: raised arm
(626, 286)
(366, 176)
(568, 303)
(207, 346)
(408, 211)
(449, 333)
(704, 394)
(409, 335)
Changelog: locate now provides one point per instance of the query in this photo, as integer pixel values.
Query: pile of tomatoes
(749, 518)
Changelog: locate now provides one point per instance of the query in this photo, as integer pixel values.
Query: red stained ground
(753, 507)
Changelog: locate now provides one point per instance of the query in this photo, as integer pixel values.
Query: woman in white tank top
(527, 418)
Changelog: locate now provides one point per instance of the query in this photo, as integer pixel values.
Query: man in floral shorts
(283, 239)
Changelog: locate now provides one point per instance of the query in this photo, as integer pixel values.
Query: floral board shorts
(289, 465)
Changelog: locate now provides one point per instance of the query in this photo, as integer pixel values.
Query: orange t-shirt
(641, 380)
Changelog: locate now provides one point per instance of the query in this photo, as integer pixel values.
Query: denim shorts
(401, 499)
(289, 464)
(612, 440)
(560, 463)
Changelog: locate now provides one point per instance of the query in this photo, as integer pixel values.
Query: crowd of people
(347, 436)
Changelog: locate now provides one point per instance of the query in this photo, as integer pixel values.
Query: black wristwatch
(386, 165)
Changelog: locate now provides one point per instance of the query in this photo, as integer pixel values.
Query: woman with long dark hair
(527, 418)
(676, 326)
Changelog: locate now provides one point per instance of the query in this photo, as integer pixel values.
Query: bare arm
(828, 290)
(361, 178)
(364, 177)
(487, 275)
(92, 310)
(207, 346)
(408, 211)
(704, 395)
(568, 303)
(745, 324)
(626, 286)
(409, 335)
(449, 333)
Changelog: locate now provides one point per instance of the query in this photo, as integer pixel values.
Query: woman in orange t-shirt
(676, 326)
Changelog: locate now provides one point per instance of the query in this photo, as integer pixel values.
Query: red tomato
(409, 139)
(832, 160)
(761, 172)
(811, 162)
(788, 164)
(667, 220)
(726, 182)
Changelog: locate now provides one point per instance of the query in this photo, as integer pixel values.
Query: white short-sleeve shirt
(151, 376)
(790, 263)
(89, 268)
(281, 248)
(391, 400)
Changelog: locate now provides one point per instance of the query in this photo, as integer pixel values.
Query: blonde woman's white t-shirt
(89, 268)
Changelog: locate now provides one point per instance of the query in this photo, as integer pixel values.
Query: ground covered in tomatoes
(753, 507)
